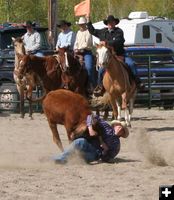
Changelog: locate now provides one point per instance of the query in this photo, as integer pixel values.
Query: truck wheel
(9, 97)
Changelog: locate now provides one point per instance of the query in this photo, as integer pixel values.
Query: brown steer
(67, 108)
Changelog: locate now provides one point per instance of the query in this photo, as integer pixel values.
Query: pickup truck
(155, 66)
(8, 90)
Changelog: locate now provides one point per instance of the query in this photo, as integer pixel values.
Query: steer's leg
(56, 137)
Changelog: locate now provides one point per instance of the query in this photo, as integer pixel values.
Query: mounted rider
(32, 40)
(114, 37)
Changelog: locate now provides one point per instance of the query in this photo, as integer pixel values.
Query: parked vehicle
(155, 66)
(8, 92)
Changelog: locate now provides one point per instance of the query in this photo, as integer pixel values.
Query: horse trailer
(141, 29)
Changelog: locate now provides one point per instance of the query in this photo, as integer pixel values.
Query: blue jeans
(88, 58)
(131, 64)
(87, 150)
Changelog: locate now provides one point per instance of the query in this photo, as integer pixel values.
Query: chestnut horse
(117, 83)
(25, 85)
(48, 68)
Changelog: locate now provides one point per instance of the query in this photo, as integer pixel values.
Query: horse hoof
(129, 125)
(22, 116)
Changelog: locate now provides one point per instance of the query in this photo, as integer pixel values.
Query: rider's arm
(89, 122)
(92, 30)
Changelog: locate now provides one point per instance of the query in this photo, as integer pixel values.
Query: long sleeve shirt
(32, 41)
(113, 37)
(66, 39)
(108, 135)
(83, 40)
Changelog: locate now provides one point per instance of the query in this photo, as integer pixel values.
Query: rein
(57, 57)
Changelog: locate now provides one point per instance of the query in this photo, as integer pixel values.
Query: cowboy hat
(62, 23)
(124, 134)
(29, 24)
(111, 18)
(82, 20)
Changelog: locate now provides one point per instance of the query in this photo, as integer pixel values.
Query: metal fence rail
(157, 77)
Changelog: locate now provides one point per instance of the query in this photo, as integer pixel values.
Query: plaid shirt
(108, 135)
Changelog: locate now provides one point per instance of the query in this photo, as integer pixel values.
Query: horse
(74, 76)
(26, 85)
(48, 68)
(116, 81)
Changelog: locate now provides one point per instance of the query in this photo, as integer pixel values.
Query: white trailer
(141, 29)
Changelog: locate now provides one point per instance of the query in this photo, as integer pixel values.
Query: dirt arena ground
(27, 172)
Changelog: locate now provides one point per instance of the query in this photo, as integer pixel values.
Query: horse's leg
(127, 117)
(106, 113)
(56, 137)
(131, 106)
(118, 102)
(97, 111)
(29, 97)
(21, 94)
(114, 106)
(125, 108)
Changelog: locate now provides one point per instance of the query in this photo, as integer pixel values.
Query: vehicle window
(159, 38)
(44, 42)
(150, 52)
(5, 38)
(146, 32)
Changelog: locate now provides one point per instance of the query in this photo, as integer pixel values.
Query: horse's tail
(40, 99)
(100, 101)
(105, 99)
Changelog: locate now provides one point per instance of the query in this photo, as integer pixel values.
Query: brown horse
(117, 83)
(48, 69)
(74, 76)
(25, 85)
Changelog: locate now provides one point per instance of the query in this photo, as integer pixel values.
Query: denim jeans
(131, 64)
(87, 150)
(88, 58)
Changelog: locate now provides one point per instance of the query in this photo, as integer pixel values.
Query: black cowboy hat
(29, 24)
(62, 23)
(111, 18)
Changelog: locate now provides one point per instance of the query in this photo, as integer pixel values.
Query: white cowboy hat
(82, 20)
(125, 134)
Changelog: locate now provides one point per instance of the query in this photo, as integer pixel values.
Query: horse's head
(68, 62)
(103, 53)
(63, 60)
(18, 45)
(24, 65)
